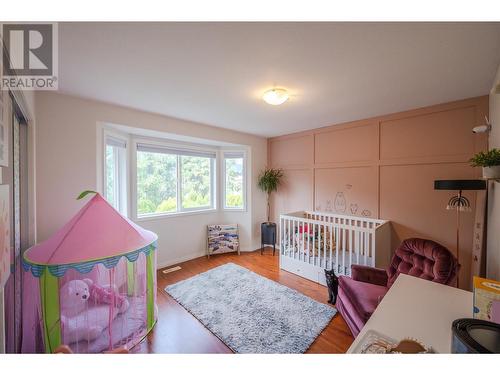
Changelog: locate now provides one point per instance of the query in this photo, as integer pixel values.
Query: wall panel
(295, 193)
(408, 198)
(434, 135)
(292, 152)
(337, 146)
(347, 191)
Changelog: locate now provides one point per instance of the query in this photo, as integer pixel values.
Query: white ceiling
(215, 73)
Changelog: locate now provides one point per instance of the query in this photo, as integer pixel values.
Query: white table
(420, 309)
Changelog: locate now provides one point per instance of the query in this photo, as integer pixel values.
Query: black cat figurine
(332, 281)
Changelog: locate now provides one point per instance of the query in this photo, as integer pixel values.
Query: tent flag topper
(92, 283)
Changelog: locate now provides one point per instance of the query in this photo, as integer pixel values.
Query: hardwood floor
(177, 331)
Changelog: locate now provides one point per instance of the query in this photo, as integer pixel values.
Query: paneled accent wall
(385, 167)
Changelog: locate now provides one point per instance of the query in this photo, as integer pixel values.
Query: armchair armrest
(370, 275)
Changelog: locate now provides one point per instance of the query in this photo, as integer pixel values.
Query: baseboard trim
(172, 262)
(192, 256)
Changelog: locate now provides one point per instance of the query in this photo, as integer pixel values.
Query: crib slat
(323, 264)
(285, 233)
(286, 236)
(320, 249)
(289, 238)
(320, 227)
(297, 238)
(361, 246)
(372, 235)
(282, 237)
(343, 250)
(337, 249)
(318, 246)
(313, 248)
(365, 248)
(331, 244)
(358, 245)
(302, 241)
(308, 243)
(350, 252)
(278, 239)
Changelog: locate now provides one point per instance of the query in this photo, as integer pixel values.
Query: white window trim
(180, 211)
(223, 179)
(121, 169)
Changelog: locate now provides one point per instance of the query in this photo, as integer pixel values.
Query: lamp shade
(459, 185)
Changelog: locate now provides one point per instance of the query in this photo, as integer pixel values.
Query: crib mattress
(324, 261)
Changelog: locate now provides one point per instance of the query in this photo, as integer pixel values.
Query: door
(15, 175)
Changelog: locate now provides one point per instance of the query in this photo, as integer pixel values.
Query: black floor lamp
(458, 202)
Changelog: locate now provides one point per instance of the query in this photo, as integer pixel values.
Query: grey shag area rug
(252, 314)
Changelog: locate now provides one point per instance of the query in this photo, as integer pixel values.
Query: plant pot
(491, 172)
(268, 233)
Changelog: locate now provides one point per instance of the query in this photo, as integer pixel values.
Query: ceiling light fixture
(275, 96)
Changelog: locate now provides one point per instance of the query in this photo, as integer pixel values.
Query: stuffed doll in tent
(81, 321)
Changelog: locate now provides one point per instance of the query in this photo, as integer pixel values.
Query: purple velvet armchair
(359, 295)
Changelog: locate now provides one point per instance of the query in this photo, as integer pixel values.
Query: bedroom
(249, 187)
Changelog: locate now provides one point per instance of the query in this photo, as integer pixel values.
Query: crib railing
(331, 241)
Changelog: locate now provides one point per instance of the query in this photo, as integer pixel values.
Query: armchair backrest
(425, 259)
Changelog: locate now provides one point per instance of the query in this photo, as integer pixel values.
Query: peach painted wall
(385, 167)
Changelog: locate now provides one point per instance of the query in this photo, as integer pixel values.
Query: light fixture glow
(275, 96)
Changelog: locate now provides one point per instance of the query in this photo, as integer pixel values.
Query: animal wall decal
(328, 207)
(340, 202)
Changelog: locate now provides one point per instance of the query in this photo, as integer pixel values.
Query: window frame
(213, 187)
(223, 179)
(159, 143)
(121, 166)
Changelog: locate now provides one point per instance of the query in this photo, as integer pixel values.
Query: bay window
(170, 179)
(145, 177)
(234, 180)
(156, 182)
(115, 173)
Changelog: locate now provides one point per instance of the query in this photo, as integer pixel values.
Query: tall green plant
(269, 181)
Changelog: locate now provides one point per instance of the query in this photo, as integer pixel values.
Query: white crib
(311, 242)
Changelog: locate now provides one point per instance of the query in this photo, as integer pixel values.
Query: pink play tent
(93, 282)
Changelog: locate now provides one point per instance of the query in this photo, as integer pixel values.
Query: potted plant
(490, 161)
(269, 181)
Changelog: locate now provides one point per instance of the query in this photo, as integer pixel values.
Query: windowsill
(154, 217)
(228, 209)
